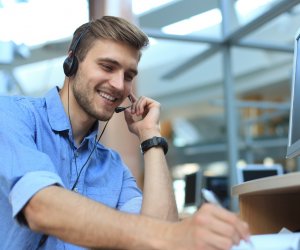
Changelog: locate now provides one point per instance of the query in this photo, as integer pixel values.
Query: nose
(117, 80)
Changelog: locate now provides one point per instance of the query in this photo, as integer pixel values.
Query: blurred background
(222, 70)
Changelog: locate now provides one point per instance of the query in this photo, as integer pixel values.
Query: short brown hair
(107, 27)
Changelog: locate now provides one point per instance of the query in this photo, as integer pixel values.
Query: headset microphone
(121, 109)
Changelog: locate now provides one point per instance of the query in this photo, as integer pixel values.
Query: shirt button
(76, 190)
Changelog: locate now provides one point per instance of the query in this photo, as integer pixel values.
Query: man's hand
(210, 228)
(143, 117)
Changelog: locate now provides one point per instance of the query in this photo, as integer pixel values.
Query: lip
(106, 96)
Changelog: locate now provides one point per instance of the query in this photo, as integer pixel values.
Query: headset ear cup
(67, 65)
(70, 65)
(74, 66)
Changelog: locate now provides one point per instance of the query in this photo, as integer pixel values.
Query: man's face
(104, 78)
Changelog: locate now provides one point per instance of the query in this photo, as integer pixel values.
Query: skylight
(195, 23)
(38, 21)
(142, 6)
(247, 10)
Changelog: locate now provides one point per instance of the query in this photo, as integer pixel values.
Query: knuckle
(201, 219)
(236, 218)
(246, 225)
(206, 207)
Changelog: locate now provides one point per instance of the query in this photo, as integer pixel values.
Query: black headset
(71, 62)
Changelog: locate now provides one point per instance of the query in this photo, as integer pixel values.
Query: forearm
(158, 198)
(78, 220)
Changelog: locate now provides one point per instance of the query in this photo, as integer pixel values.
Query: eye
(106, 67)
(128, 77)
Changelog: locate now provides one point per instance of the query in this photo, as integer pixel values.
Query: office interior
(222, 70)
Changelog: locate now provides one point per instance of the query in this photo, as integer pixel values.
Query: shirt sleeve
(130, 200)
(132, 206)
(28, 185)
(24, 169)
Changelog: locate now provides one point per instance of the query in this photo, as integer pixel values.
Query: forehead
(118, 51)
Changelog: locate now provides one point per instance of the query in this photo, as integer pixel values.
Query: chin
(104, 117)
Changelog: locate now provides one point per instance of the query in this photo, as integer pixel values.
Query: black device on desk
(257, 171)
(193, 185)
(219, 186)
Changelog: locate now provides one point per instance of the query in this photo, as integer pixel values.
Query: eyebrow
(115, 62)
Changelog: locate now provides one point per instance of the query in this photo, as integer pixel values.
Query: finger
(140, 105)
(215, 241)
(132, 98)
(225, 229)
(209, 216)
(232, 219)
(128, 117)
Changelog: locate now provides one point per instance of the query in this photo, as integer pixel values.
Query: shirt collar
(57, 116)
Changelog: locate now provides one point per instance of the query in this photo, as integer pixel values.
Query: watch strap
(155, 142)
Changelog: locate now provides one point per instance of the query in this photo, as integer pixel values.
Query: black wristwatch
(154, 142)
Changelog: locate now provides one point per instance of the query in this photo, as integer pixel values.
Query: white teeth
(108, 97)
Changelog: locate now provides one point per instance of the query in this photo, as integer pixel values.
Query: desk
(271, 203)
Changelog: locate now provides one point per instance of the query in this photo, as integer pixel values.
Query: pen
(210, 197)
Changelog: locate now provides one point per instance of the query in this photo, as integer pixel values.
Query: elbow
(36, 212)
(32, 217)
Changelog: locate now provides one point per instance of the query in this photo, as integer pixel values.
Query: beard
(82, 95)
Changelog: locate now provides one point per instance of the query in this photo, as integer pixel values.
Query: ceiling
(186, 72)
(180, 75)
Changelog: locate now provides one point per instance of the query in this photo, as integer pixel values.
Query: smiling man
(60, 188)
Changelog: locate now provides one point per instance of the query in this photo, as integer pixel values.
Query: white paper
(282, 241)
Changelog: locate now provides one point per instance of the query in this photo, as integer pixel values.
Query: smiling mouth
(107, 96)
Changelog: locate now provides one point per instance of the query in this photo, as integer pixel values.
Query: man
(62, 189)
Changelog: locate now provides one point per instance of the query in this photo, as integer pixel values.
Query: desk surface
(286, 183)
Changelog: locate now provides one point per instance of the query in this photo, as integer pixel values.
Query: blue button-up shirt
(37, 150)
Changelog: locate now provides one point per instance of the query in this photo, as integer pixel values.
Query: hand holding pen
(210, 197)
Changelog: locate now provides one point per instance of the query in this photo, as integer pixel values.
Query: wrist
(155, 141)
(148, 133)
(154, 238)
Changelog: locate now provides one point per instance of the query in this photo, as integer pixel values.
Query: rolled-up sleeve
(131, 198)
(24, 168)
(28, 185)
(132, 206)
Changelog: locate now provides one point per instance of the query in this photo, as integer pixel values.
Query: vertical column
(298, 164)
(230, 107)
(97, 8)
(117, 135)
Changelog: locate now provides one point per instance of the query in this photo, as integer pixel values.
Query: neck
(80, 122)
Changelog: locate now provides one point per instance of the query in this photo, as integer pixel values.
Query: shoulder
(19, 110)
(22, 103)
